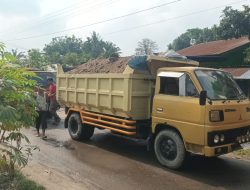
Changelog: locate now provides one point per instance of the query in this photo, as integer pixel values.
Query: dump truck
(177, 107)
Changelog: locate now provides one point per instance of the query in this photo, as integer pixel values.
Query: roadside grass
(19, 182)
(244, 153)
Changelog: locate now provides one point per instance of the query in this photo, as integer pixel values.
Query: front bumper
(231, 142)
(231, 136)
(219, 150)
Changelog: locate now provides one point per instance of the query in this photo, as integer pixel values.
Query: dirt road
(109, 162)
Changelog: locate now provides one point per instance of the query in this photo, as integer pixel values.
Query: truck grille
(230, 136)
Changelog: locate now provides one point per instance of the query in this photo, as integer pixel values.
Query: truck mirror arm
(203, 97)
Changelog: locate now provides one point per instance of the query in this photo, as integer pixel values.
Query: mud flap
(150, 142)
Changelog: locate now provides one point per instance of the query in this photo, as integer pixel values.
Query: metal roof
(214, 48)
(239, 73)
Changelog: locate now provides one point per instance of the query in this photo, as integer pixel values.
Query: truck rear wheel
(77, 130)
(169, 149)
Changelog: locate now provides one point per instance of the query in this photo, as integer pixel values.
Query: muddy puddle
(60, 144)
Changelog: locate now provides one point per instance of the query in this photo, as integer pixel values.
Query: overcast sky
(26, 24)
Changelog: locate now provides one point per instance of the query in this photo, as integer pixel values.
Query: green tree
(73, 51)
(17, 55)
(36, 59)
(247, 56)
(111, 50)
(17, 110)
(180, 42)
(146, 47)
(95, 47)
(60, 46)
(194, 36)
(71, 59)
(233, 24)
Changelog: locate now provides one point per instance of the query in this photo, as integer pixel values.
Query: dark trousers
(41, 120)
(52, 110)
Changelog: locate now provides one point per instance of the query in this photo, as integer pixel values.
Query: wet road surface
(111, 162)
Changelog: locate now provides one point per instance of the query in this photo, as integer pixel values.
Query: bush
(17, 111)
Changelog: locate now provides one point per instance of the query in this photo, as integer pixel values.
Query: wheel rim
(168, 148)
(73, 126)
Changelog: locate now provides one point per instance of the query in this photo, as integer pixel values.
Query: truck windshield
(219, 85)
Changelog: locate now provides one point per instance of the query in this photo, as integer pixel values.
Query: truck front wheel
(169, 149)
(77, 130)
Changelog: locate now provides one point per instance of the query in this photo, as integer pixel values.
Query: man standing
(41, 108)
(52, 100)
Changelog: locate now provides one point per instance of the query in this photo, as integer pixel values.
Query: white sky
(31, 18)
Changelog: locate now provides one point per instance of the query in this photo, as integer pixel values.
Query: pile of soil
(100, 65)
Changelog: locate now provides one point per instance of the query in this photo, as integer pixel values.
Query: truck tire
(77, 130)
(169, 149)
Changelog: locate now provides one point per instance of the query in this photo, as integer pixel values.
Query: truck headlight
(216, 139)
(216, 115)
(222, 138)
(239, 139)
(247, 138)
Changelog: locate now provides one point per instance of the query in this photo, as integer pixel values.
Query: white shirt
(41, 103)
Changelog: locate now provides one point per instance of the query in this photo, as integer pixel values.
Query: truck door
(176, 103)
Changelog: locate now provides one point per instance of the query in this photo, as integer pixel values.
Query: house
(219, 54)
(242, 77)
(224, 54)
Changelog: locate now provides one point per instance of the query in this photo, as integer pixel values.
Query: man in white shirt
(42, 110)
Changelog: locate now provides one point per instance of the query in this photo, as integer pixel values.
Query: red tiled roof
(236, 72)
(214, 47)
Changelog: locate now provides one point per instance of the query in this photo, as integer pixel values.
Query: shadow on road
(218, 172)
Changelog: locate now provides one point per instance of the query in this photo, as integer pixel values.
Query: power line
(153, 23)
(173, 18)
(96, 23)
(73, 13)
(95, 5)
(55, 13)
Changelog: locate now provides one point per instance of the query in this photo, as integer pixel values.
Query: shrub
(17, 111)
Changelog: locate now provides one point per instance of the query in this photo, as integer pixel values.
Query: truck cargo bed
(128, 94)
(124, 95)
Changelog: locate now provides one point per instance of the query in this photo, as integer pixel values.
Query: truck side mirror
(203, 97)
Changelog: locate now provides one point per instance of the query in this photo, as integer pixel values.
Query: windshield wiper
(224, 100)
(237, 95)
(242, 96)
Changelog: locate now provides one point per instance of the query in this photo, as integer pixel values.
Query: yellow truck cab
(177, 109)
(198, 110)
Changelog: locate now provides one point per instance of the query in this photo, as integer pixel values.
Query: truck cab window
(178, 86)
(190, 88)
(169, 86)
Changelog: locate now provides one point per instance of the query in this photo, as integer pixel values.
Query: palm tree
(17, 55)
(111, 50)
(96, 47)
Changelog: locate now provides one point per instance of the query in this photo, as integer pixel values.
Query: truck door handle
(159, 109)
